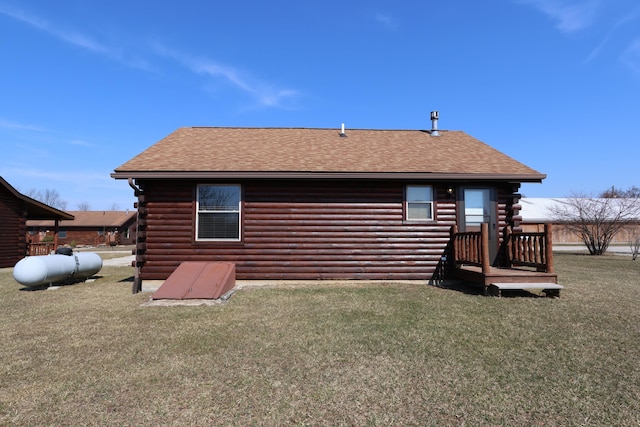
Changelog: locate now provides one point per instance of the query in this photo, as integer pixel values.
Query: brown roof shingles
(108, 219)
(286, 150)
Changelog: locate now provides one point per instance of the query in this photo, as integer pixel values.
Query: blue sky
(86, 85)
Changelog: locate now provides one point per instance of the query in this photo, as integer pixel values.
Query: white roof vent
(434, 123)
(342, 134)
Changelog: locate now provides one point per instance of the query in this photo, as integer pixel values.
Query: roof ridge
(314, 128)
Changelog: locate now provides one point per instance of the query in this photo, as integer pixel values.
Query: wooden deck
(474, 274)
(526, 260)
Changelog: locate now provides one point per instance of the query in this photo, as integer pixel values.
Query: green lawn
(395, 354)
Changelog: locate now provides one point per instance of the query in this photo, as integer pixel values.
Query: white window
(419, 202)
(218, 212)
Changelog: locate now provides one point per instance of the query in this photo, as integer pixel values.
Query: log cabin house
(300, 203)
(88, 228)
(15, 210)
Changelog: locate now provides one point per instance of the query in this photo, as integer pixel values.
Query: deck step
(551, 289)
(527, 285)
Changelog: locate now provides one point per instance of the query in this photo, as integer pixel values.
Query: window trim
(198, 212)
(430, 203)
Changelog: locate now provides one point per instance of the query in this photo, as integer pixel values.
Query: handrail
(530, 249)
(519, 249)
(471, 247)
(467, 248)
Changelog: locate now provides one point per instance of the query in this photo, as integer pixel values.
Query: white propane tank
(47, 269)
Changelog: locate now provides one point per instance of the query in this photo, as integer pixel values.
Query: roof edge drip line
(435, 176)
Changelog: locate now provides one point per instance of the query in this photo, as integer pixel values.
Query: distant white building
(536, 212)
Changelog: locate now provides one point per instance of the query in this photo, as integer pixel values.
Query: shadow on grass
(459, 286)
(35, 288)
(518, 293)
(473, 289)
(67, 282)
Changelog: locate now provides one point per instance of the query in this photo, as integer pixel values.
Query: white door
(479, 206)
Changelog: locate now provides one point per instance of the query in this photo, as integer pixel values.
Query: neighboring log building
(89, 228)
(287, 203)
(15, 210)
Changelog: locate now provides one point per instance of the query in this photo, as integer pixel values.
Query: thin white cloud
(270, 97)
(596, 51)
(34, 151)
(213, 69)
(570, 15)
(266, 95)
(51, 176)
(74, 38)
(386, 21)
(70, 37)
(621, 22)
(7, 124)
(14, 126)
(80, 143)
(631, 56)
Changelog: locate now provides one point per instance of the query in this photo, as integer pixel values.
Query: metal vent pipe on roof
(342, 131)
(434, 123)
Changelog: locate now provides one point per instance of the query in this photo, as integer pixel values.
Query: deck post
(548, 247)
(453, 231)
(56, 225)
(507, 246)
(484, 247)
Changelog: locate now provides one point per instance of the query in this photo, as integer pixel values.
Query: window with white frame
(218, 212)
(419, 200)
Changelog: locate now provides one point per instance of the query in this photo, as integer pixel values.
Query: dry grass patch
(89, 354)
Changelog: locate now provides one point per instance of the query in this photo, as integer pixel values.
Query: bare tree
(48, 196)
(615, 193)
(634, 241)
(596, 220)
(84, 206)
(115, 206)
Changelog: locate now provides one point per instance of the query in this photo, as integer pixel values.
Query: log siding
(13, 218)
(296, 231)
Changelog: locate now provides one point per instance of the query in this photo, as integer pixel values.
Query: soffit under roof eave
(435, 176)
(39, 211)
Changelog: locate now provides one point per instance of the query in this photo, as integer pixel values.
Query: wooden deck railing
(529, 249)
(471, 247)
(518, 249)
(43, 248)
